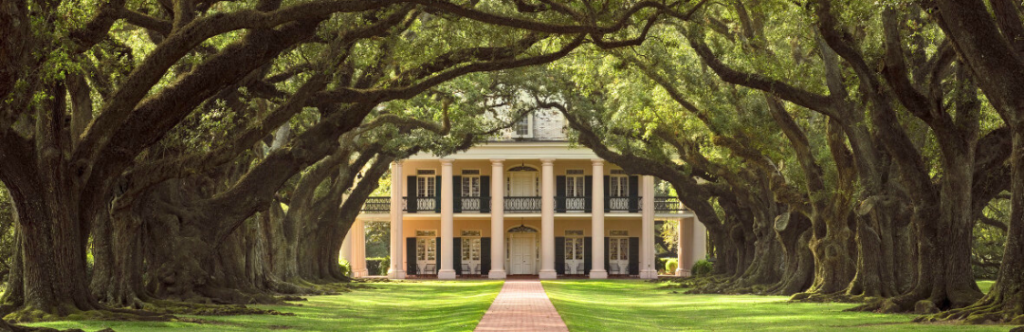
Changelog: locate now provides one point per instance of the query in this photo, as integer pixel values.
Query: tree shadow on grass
(416, 306)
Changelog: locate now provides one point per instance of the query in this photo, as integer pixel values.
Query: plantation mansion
(526, 203)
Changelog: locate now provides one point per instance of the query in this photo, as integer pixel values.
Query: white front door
(522, 255)
(618, 255)
(470, 255)
(574, 255)
(426, 255)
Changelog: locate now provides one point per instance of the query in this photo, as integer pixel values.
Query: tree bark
(794, 233)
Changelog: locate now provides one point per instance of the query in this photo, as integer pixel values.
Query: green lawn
(585, 305)
(985, 285)
(395, 306)
(633, 305)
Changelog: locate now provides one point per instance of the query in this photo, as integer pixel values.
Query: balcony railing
(662, 204)
(377, 204)
(622, 204)
(668, 204)
(522, 204)
(571, 204)
(426, 204)
(473, 204)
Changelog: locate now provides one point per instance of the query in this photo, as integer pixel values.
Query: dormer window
(524, 127)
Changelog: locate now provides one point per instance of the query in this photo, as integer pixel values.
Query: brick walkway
(522, 305)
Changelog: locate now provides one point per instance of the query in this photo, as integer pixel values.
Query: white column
(358, 262)
(396, 271)
(346, 248)
(698, 249)
(597, 270)
(648, 270)
(547, 220)
(447, 219)
(685, 250)
(497, 220)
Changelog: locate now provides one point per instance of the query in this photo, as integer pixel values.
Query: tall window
(618, 184)
(523, 127)
(618, 249)
(574, 252)
(471, 183)
(470, 249)
(425, 183)
(575, 184)
(426, 255)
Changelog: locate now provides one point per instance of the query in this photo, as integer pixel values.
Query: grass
(633, 305)
(395, 306)
(985, 285)
(585, 305)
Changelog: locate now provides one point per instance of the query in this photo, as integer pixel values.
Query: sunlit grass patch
(394, 306)
(633, 305)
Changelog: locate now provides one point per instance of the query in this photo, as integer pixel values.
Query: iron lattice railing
(668, 204)
(571, 204)
(426, 204)
(422, 204)
(377, 204)
(522, 204)
(662, 204)
(576, 203)
(472, 203)
(622, 204)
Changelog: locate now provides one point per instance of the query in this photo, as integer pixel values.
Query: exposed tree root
(199, 309)
(840, 297)
(988, 311)
(715, 285)
(30, 314)
(7, 327)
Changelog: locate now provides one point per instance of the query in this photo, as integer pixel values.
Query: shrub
(384, 265)
(378, 266)
(346, 267)
(701, 268)
(671, 264)
(661, 263)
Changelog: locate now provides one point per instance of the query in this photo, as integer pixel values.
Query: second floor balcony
(517, 204)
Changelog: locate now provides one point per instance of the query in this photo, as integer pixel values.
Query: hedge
(701, 268)
(378, 266)
(668, 264)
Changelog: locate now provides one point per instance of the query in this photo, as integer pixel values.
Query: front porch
(565, 213)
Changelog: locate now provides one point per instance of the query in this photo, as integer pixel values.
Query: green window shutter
(588, 246)
(560, 255)
(634, 256)
(560, 193)
(588, 191)
(485, 197)
(457, 255)
(437, 255)
(485, 255)
(437, 194)
(457, 194)
(411, 200)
